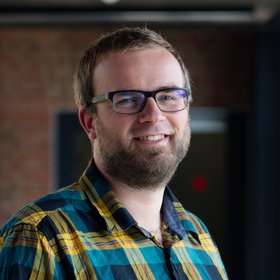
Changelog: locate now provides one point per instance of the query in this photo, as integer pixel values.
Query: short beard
(140, 169)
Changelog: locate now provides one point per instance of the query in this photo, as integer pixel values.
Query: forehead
(145, 68)
(135, 51)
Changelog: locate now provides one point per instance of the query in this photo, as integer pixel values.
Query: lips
(151, 137)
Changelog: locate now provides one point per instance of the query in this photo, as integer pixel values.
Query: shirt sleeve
(25, 253)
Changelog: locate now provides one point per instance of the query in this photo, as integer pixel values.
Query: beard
(138, 167)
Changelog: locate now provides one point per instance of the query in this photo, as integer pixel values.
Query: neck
(143, 204)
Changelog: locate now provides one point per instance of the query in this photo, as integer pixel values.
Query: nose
(150, 112)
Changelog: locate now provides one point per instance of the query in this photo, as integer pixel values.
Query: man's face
(141, 150)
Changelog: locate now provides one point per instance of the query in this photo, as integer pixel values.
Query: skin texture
(138, 167)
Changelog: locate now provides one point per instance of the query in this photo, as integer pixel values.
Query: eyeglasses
(133, 101)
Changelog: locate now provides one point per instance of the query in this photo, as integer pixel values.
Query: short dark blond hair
(122, 40)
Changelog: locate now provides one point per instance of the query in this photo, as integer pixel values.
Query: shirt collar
(179, 220)
(117, 217)
(101, 195)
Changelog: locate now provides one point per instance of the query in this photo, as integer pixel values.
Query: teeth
(152, 138)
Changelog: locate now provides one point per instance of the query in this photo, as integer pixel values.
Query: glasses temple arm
(100, 98)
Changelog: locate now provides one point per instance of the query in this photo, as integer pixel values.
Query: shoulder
(30, 235)
(35, 215)
(189, 220)
(190, 223)
(196, 229)
(194, 226)
(193, 220)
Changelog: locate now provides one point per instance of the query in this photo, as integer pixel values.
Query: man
(120, 221)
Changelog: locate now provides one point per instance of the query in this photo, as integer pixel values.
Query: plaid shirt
(84, 232)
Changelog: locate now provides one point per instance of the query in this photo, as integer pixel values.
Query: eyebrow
(169, 86)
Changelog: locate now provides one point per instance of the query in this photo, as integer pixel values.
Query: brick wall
(36, 69)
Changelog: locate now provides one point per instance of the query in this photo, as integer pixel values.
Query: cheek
(181, 121)
(114, 127)
(120, 125)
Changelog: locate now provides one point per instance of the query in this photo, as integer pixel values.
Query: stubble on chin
(139, 168)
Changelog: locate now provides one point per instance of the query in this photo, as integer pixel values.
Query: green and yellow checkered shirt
(84, 232)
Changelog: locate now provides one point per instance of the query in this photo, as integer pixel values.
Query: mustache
(148, 129)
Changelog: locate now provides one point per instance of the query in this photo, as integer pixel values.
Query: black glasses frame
(147, 94)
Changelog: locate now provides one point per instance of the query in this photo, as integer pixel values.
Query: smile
(152, 137)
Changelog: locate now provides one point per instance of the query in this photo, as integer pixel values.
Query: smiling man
(120, 220)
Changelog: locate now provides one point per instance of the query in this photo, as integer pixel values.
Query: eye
(127, 99)
(167, 96)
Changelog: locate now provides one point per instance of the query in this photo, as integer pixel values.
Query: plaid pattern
(84, 232)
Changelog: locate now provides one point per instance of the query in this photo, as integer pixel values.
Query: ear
(87, 121)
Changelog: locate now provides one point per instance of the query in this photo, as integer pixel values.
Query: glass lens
(171, 99)
(128, 101)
